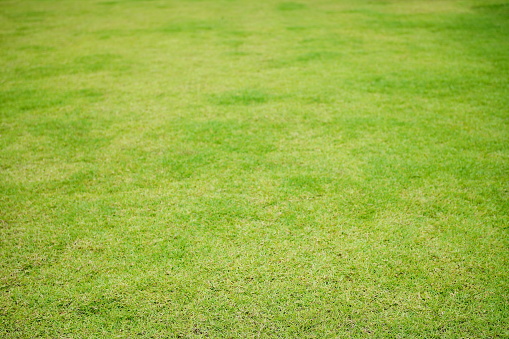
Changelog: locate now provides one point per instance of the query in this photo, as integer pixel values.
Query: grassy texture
(310, 169)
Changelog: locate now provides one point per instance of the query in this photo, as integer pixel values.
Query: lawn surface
(254, 168)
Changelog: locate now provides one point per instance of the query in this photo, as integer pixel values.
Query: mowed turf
(254, 169)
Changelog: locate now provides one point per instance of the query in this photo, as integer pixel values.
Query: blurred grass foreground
(254, 169)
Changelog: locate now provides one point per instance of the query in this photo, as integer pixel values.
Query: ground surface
(242, 169)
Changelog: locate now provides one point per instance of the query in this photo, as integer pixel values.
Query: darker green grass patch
(242, 97)
(501, 9)
(38, 48)
(79, 182)
(27, 16)
(100, 62)
(113, 306)
(432, 86)
(42, 71)
(218, 215)
(83, 64)
(70, 136)
(184, 164)
(104, 34)
(91, 94)
(317, 56)
(306, 183)
(307, 59)
(123, 2)
(291, 6)
(15, 100)
(109, 3)
(189, 27)
(229, 136)
(24, 100)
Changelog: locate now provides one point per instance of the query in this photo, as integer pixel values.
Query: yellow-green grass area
(254, 169)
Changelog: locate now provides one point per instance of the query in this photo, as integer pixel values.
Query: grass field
(254, 169)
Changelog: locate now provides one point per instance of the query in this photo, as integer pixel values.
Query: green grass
(244, 169)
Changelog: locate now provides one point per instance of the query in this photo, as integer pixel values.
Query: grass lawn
(254, 169)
